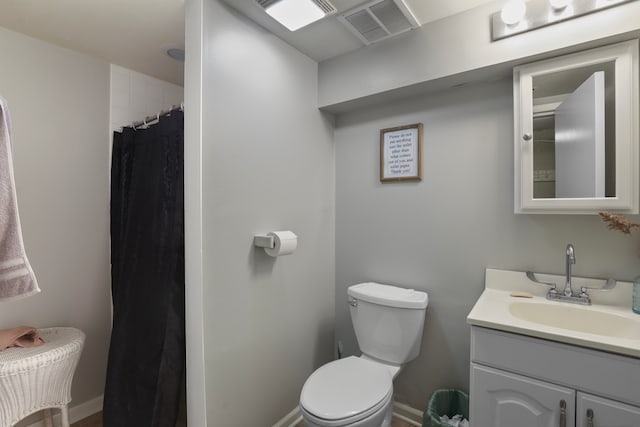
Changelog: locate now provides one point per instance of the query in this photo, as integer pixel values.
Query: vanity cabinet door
(502, 399)
(596, 411)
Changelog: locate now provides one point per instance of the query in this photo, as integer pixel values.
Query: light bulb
(558, 5)
(513, 12)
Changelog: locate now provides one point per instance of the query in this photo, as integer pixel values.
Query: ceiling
(136, 33)
(132, 33)
(328, 37)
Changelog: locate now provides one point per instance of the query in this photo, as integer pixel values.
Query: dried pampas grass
(618, 222)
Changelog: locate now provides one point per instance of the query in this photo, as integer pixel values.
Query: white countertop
(492, 310)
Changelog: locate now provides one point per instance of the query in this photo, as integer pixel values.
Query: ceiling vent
(379, 20)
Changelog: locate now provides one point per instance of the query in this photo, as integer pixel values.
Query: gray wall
(267, 163)
(439, 235)
(419, 58)
(59, 102)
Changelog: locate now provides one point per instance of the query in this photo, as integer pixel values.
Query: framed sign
(401, 153)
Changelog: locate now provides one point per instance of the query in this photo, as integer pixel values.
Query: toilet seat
(345, 391)
(372, 417)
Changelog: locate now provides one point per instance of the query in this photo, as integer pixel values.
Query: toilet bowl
(353, 392)
(358, 391)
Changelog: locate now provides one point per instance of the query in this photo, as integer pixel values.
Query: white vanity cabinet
(502, 399)
(605, 412)
(522, 381)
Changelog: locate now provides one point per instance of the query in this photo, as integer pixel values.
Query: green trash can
(445, 402)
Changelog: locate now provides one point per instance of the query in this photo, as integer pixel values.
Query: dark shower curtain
(147, 350)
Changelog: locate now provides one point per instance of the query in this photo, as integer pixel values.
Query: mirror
(576, 132)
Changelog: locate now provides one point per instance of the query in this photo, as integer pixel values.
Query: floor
(400, 423)
(96, 421)
(395, 422)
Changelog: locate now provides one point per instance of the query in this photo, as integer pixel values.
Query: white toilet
(358, 391)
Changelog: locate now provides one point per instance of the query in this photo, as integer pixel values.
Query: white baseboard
(291, 419)
(407, 413)
(401, 411)
(77, 412)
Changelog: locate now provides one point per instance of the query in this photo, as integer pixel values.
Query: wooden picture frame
(401, 153)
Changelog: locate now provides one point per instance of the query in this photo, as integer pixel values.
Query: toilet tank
(388, 320)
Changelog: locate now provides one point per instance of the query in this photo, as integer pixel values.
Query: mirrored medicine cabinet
(576, 132)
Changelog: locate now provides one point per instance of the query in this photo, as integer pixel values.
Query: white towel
(17, 279)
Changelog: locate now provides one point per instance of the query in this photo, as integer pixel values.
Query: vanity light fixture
(517, 18)
(558, 5)
(513, 12)
(295, 14)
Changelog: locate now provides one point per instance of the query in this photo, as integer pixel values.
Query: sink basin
(608, 325)
(578, 319)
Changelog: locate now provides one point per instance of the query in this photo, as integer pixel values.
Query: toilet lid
(345, 388)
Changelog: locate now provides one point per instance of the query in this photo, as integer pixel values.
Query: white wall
(438, 235)
(458, 49)
(193, 214)
(267, 163)
(59, 102)
(135, 96)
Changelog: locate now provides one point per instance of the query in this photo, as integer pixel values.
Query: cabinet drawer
(603, 374)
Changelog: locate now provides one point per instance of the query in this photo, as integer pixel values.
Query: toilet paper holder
(277, 243)
(264, 241)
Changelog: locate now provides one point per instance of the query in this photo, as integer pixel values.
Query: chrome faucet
(570, 260)
(567, 295)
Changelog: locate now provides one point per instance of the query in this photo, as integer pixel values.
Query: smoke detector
(379, 20)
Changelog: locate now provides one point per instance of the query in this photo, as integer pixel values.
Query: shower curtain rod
(150, 120)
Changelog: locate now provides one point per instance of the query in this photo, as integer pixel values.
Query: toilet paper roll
(285, 243)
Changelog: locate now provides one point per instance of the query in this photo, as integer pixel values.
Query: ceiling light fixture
(517, 17)
(176, 53)
(295, 14)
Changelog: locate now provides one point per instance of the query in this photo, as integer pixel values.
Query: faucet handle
(610, 284)
(531, 276)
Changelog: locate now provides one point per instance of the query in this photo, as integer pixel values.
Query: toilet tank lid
(391, 296)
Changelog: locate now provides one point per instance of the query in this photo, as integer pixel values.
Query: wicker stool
(37, 378)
